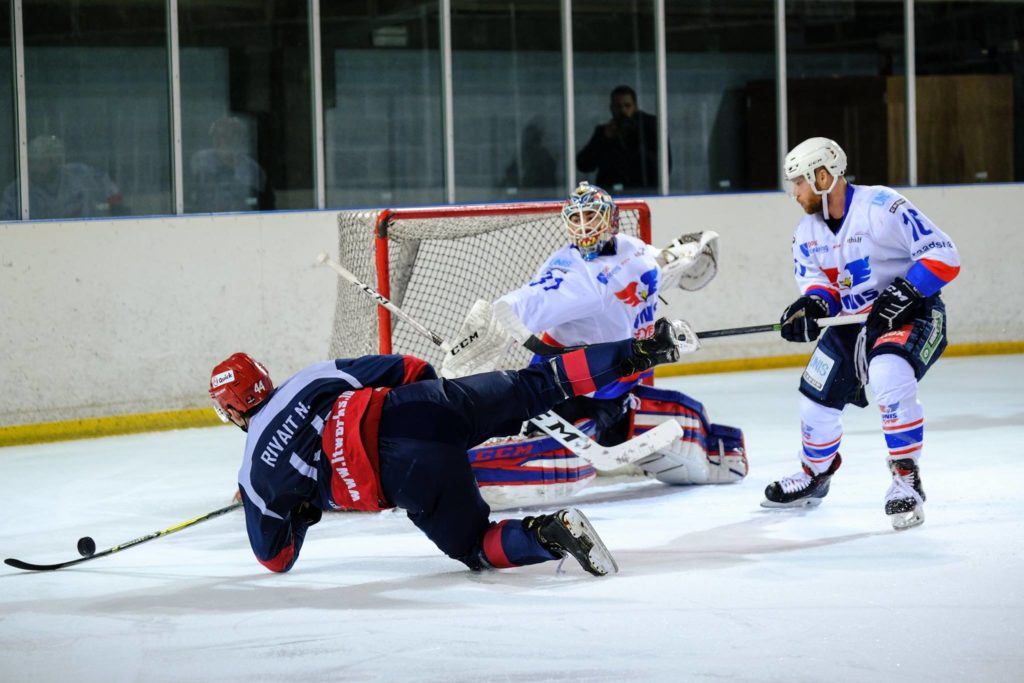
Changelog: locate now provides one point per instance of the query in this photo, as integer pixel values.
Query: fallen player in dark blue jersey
(377, 432)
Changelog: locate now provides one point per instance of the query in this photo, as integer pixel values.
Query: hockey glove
(800, 320)
(661, 347)
(897, 304)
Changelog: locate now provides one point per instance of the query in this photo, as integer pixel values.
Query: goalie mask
(591, 219)
(806, 158)
(240, 382)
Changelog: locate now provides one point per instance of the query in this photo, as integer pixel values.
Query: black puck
(86, 546)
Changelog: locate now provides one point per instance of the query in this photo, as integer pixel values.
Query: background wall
(125, 316)
(755, 281)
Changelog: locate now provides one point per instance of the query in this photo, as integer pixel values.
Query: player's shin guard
(821, 433)
(510, 543)
(902, 415)
(903, 426)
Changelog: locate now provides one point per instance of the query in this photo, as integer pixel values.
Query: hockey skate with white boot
(904, 501)
(803, 489)
(569, 532)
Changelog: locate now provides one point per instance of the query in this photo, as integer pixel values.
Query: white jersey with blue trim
(572, 301)
(881, 236)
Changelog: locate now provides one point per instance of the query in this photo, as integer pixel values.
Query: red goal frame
(386, 217)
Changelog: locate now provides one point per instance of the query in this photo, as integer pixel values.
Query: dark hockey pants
(427, 427)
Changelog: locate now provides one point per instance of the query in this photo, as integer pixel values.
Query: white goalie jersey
(572, 301)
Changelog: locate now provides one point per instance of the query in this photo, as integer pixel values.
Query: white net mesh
(439, 266)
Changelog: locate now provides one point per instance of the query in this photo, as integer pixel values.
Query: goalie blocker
(522, 471)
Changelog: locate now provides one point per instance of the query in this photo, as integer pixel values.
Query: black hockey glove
(661, 347)
(897, 304)
(800, 320)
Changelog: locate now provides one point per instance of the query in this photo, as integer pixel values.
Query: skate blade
(801, 503)
(599, 560)
(902, 521)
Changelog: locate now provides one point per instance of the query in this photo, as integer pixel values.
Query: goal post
(435, 262)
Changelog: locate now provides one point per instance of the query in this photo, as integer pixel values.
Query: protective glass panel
(10, 208)
(845, 68)
(97, 108)
(719, 56)
(970, 91)
(383, 129)
(507, 82)
(247, 136)
(615, 96)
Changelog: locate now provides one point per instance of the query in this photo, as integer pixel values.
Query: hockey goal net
(435, 262)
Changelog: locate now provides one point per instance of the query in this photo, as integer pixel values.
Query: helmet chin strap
(824, 194)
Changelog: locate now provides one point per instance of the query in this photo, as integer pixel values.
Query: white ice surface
(712, 587)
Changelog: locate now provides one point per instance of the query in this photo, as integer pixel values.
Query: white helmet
(809, 156)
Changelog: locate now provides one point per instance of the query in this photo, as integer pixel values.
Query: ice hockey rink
(712, 587)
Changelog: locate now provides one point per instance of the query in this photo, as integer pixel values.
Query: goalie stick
(822, 322)
(84, 549)
(552, 424)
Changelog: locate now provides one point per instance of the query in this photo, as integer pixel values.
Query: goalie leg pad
(707, 453)
(523, 471)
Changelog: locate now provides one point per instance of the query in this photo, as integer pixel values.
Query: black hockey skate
(569, 532)
(904, 501)
(803, 489)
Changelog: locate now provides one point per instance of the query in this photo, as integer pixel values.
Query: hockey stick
(552, 424)
(822, 322)
(87, 547)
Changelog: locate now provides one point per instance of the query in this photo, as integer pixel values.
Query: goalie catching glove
(690, 262)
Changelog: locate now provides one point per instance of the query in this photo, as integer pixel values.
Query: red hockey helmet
(240, 382)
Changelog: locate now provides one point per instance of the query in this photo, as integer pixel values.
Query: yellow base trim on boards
(95, 427)
(19, 435)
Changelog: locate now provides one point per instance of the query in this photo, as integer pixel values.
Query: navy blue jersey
(283, 467)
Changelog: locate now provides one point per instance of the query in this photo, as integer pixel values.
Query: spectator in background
(62, 190)
(535, 168)
(225, 177)
(624, 151)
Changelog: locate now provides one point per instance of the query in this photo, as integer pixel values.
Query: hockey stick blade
(609, 458)
(29, 566)
(754, 329)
